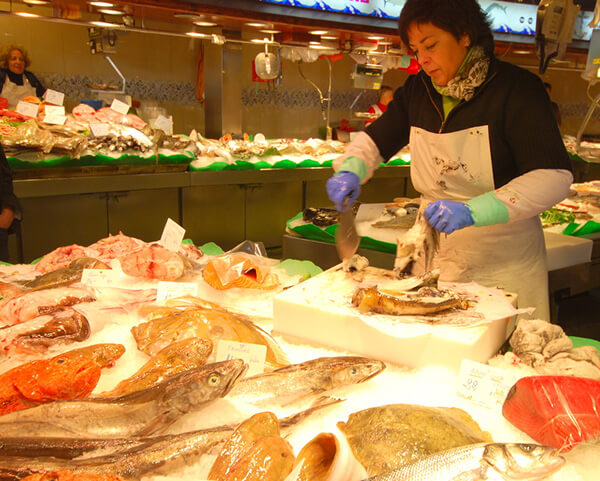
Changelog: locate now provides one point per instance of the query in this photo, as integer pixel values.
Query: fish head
(104, 355)
(348, 370)
(523, 461)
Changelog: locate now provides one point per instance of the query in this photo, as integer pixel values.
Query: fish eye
(214, 379)
(528, 448)
(60, 361)
(353, 371)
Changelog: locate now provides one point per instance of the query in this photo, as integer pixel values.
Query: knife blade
(346, 236)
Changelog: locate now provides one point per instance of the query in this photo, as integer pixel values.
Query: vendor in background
(385, 96)
(16, 81)
(555, 108)
(9, 205)
(487, 155)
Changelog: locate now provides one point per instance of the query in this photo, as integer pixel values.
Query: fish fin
(320, 403)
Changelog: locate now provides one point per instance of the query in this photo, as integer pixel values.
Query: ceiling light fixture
(108, 11)
(256, 24)
(36, 2)
(320, 47)
(185, 15)
(102, 4)
(202, 23)
(260, 40)
(26, 14)
(375, 37)
(318, 32)
(329, 37)
(385, 42)
(197, 34)
(100, 23)
(522, 52)
(272, 32)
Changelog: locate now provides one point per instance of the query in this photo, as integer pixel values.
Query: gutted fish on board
(386, 437)
(421, 241)
(70, 375)
(142, 413)
(479, 462)
(61, 327)
(174, 358)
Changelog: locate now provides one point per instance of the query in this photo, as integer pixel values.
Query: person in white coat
(16, 81)
(486, 153)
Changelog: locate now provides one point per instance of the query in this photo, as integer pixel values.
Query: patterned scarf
(470, 75)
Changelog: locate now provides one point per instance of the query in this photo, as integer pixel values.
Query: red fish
(558, 411)
(71, 375)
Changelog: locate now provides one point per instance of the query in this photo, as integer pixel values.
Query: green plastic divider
(211, 249)
(584, 341)
(327, 234)
(578, 230)
(294, 267)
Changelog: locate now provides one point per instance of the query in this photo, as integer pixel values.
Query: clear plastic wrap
(238, 269)
(558, 411)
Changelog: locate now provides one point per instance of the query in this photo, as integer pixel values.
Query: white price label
(99, 277)
(170, 290)
(485, 385)
(54, 97)
(172, 236)
(54, 110)
(99, 129)
(252, 354)
(55, 119)
(119, 106)
(27, 108)
(164, 123)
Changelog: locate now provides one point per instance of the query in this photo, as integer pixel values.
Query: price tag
(54, 97)
(252, 354)
(119, 106)
(54, 110)
(164, 123)
(169, 290)
(55, 115)
(485, 385)
(27, 108)
(172, 236)
(99, 129)
(99, 277)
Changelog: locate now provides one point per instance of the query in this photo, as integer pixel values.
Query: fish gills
(241, 441)
(270, 459)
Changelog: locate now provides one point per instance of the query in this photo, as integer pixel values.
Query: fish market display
(238, 270)
(142, 413)
(63, 326)
(479, 462)
(153, 262)
(66, 275)
(386, 437)
(326, 458)
(179, 356)
(400, 214)
(420, 242)
(33, 304)
(70, 476)
(559, 411)
(71, 375)
(213, 324)
(298, 381)
(243, 438)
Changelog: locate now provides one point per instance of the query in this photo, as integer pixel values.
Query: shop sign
(506, 17)
(252, 354)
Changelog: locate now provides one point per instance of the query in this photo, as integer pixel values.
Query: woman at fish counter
(487, 155)
(16, 81)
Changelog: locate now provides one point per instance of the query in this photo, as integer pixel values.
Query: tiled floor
(580, 315)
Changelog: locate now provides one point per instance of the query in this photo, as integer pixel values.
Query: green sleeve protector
(355, 165)
(486, 209)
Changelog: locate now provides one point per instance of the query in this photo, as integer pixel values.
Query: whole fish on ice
(479, 462)
(142, 413)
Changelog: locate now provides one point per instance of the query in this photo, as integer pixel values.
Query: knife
(346, 237)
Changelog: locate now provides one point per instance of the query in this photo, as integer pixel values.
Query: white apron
(13, 92)
(458, 166)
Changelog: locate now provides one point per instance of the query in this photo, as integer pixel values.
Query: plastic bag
(250, 247)
(558, 411)
(238, 269)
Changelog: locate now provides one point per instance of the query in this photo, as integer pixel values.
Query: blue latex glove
(343, 185)
(447, 215)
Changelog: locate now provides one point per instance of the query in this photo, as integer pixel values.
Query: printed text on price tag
(252, 354)
(169, 290)
(485, 385)
(172, 236)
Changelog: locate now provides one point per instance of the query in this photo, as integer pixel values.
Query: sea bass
(33, 304)
(61, 327)
(174, 358)
(479, 462)
(71, 375)
(65, 275)
(297, 381)
(559, 411)
(385, 437)
(142, 413)
(213, 324)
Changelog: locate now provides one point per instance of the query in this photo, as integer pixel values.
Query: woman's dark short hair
(455, 16)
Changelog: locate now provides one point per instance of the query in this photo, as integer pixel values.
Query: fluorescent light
(329, 37)
(202, 23)
(314, 42)
(320, 47)
(375, 37)
(197, 34)
(185, 15)
(26, 14)
(385, 42)
(270, 31)
(99, 23)
(318, 32)
(108, 11)
(522, 52)
(36, 2)
(256, 24)
(260, 40)
(102, 4)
